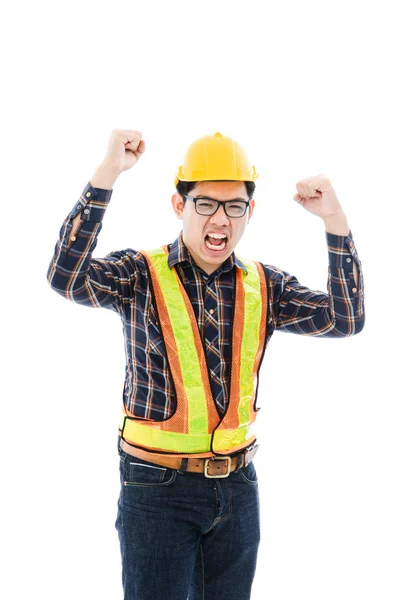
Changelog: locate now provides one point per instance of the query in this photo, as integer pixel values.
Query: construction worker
(197, 319)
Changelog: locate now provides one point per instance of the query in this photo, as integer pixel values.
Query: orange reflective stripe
(231, 419)
(170, 343)
(214, 417)
(251, 303)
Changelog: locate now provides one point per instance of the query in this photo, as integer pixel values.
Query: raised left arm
(316, 194)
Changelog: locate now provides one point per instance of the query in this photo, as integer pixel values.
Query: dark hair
(184, 187)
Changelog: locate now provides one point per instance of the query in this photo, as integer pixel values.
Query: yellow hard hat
(215, 157)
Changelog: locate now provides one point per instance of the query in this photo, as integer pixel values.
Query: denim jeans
(186, 537)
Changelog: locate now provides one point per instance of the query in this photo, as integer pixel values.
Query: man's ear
(177, 204)
(251, 206)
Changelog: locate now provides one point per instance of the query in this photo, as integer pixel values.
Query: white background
(306, 88)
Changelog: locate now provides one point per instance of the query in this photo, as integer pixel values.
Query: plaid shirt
(120, 282)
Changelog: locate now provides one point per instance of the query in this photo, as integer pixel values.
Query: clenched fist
(317, 195)
(124, 149)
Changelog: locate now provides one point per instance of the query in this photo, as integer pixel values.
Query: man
(197, 319)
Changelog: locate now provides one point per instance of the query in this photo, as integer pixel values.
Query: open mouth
(215, 243)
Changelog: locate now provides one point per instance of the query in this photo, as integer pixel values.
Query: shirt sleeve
(74, 274)
(340, 312)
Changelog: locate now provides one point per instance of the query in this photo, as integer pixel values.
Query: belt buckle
(228, 458)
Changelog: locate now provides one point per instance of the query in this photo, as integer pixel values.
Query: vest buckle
(206, 462)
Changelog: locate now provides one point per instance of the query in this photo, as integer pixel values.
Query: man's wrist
(337, 224)
(104, 177)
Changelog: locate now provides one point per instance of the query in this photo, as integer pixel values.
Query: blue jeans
(184, 536)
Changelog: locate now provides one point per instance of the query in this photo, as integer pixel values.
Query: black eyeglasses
(208, 206)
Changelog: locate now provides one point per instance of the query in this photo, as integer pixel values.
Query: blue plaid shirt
(120, 282)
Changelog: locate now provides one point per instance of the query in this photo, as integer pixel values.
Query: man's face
(197, 227)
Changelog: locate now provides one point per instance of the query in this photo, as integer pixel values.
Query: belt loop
(183, 466)
(121, 452)
(241, 455)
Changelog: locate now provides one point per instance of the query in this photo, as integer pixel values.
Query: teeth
(217, 235)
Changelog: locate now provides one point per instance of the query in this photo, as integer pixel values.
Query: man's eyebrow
(210, 198)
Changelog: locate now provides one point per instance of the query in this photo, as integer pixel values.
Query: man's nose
(220, 216)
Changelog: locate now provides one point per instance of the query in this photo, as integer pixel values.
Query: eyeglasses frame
(219, 202)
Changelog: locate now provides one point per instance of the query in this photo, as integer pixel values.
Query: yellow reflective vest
(196, 429)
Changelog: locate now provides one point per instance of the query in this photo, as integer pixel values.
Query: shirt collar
(179, 253)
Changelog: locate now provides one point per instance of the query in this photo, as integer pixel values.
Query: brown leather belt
(214, 466)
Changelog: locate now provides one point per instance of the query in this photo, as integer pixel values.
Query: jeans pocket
(139, 472)
(249, 474)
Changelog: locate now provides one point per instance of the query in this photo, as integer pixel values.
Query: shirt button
(88, 194)
(354, 290)
(79, 206)
(86, 211)
(73, 238)
(348, 259)
(351, 244)
(211, 311)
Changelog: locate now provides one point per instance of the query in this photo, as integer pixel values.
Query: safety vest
(196, 429)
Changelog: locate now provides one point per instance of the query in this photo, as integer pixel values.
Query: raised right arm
(73, 273)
